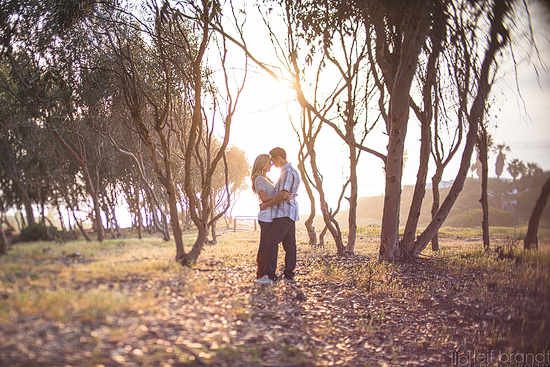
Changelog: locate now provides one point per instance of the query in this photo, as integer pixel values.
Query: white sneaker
(263, 280)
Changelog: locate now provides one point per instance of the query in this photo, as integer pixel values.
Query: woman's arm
(280, 196)
(263, 196)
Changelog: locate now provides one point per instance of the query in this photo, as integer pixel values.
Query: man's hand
(280, 196)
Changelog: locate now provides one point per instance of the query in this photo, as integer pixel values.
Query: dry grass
(102, 282)
(79, 279)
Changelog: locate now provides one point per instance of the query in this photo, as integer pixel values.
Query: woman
(265, 189)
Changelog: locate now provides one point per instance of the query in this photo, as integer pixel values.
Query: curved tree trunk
(531, 239)
(496, 42)
(327, 215)
(305, 179)
(437, 36)
(419, 188)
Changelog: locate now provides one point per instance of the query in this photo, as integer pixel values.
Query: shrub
(472, 218)
(37, 232)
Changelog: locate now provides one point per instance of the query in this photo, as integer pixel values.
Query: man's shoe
(264, 280)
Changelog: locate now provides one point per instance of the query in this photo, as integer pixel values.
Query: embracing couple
(278, 214)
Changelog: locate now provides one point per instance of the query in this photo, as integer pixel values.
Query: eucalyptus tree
(480, 64)
(120, 130)
(18, 134)
(323, 58)
(211, 114)
(160, 61)
(47, 63)
(146, 82)
(442, 153)
(405, 42)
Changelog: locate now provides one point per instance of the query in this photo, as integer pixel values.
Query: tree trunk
(483, 156)
(191, 257)
(437, 36)
(390, 248)
(322, 237)
(3, 240)
(352, 215)
(61, 221)
(531, 239)
(214, 235)
(327, 215)
(305, 179)
(419, 188)
(497, 41)
(138, 208)
(436, 179)
(97, 217)
(82, 231)
(28, 207)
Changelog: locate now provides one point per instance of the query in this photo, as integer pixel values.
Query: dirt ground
(418, 313)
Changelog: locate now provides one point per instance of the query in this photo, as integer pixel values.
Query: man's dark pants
(282, 230)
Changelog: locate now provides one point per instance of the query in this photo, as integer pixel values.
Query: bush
(37, 232)
(472, 218)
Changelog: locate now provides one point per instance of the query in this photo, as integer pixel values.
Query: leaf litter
(340, 311)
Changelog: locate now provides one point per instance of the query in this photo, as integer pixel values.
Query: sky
(522, 122)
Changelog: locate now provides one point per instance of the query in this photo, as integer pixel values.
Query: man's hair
(278, 152)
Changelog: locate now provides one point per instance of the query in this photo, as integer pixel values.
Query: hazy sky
(262, 122)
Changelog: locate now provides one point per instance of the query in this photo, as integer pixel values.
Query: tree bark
(436, 179)
(138, 207)
(3, 240)
(390, 248)
(305, 179)
(352, 214)
(419, 188)
(483, 156)
(531, 239)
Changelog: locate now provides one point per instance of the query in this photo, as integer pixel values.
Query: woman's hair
(260, 164)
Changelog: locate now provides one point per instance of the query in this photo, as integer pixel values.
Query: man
(285, 215)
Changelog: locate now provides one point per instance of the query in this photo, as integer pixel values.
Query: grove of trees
(105, 103)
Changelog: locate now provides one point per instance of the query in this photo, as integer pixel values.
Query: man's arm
(280, 196)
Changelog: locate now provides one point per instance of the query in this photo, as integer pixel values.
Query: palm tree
(501, 157)
(516, 168)
(533, 169)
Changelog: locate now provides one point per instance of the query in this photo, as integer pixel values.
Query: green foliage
(370, 230)
(472, 218)
(38, 232)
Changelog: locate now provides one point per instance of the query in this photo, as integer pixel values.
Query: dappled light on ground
(126, 302)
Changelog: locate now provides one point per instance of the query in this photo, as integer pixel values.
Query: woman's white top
(263, 184)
